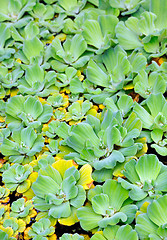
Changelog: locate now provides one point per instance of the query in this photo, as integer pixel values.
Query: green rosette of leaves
(41, 230)
(116, 232)
(13, 226)
(145, 84)
(16, 177)
(146, 31)
(153, 224)
(27, 111)
(78, 111)
(42, 13)
(37, 82)
(114, 69)
(13, 11)
(100, 34)
(73, 52)
(58, 100)
(23, 144)
(60, 189)
(22, 209)
(108, 207)
(75, 236)
(145, 177)
(8, 78)
(102, 143)
(153, 115)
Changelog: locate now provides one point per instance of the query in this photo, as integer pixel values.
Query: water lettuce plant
(102, 143)
(75, 236)
(78, 110)
(100, 33)
(125, 6)
(26, 111)
(16, 177)
(13, 226)
(72, 53)
(40, 229)
(10, 79)
(37, 82)
(111, 75)
(14, 11)
(107, 207)
(23, 210)
(60, 190)
(145, 85)
(146, 32)
(145, 177)
(24, 144)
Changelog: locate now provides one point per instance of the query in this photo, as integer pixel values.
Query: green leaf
(144, 116)
(96, 75)
(113, 220)
(44, 185)
(69, 188)
(157, 211)
(156, 8)
(110, 232)
(15, 106)
(31, 30)
(161, 182)
(98, 236)
(127, 233)
(32, 47)
(156, 102)
(127, 39)
(156, 135)
(85, 222)
(130, 211)
(109, 162)
(92, 33)
(33, 107)
(33, 73)
(146, 23)
(148, 168)
(63, 210)
(100, 204)
(78, 46)
(117, 194)
(79, 200)
(28, 137)
(144, 226)
(125, 103)
(105, 24)
(130, 171)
